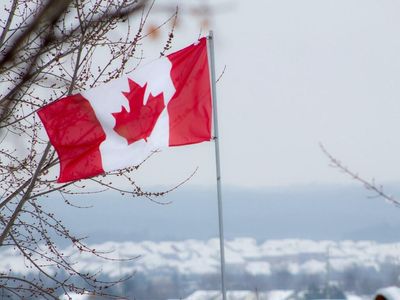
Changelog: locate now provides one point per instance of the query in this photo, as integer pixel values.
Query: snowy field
(202, 257)
(275, 265)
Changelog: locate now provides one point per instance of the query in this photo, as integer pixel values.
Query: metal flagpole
(217, 160)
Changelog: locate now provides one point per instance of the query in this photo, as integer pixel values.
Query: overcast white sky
(298, 73)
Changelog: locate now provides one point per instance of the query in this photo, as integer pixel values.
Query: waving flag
(165, 103)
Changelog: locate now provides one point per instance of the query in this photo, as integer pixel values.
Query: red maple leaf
(139, 122)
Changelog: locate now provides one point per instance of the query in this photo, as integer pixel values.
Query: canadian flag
(163, 104)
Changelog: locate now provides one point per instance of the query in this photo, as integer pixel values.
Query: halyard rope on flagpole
(210, 45)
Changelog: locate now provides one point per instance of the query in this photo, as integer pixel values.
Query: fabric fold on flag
(165, 103)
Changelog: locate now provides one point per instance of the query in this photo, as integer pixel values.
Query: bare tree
(49, 49)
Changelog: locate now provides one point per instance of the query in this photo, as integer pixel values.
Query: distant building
(388, 293)
(316, 293)
(74, 296)
(240, 295)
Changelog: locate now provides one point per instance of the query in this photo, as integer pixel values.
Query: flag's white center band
(108, 99)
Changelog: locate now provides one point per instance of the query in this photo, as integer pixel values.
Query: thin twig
(369, 185)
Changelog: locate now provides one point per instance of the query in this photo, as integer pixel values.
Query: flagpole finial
(210, 35)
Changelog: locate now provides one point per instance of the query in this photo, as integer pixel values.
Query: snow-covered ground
(241, 295)
(202, 257)
(245, 256)
(231, 295)
(251, 295)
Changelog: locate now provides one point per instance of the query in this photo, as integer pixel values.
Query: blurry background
(297, 73)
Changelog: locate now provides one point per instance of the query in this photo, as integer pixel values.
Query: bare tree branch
(371, 185)
(49, 49)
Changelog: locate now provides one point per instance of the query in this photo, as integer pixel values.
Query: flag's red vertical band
(76, 134)
(190, 108)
